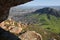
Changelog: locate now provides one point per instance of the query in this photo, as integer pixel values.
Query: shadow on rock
(6, 35)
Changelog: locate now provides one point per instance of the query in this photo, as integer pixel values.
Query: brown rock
(30, 35)
(11, 26)
(16, 30)
(5, 5)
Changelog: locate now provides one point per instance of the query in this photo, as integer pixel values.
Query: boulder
(30, 35)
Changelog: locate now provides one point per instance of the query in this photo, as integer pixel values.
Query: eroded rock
(30, 35)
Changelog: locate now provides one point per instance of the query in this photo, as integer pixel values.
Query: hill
(22, 10)
(45, 21)
(25, 31)
(47, 18)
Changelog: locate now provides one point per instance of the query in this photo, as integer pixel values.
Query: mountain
(56, 7)
(48, 11)
(21, 10)
(47, 18)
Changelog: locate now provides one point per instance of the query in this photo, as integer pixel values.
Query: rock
(5, 6)
(6, 35)
(30, 35)
(16, 30)
(13, 26)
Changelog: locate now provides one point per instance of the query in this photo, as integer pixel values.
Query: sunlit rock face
(5, 5)
(13, 26)
(30, 35)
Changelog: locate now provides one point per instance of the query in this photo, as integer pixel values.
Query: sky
(43, 3)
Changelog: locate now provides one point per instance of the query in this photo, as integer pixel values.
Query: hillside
(48, 11)
(28, 9)
(40, 24)
(25, 31)
(47, 18)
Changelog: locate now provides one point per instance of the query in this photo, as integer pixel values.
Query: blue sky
(43, 3)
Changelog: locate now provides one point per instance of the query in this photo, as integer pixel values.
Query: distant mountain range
(26, 10)
(46, 10)
(47, 18)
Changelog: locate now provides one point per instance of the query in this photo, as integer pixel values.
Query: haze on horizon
(43, 3)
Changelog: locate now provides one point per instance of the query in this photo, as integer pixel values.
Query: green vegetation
(52, 24)
(46, 35)
(48, 28)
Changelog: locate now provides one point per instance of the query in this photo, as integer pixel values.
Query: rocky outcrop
(6, 35)
(5, 5)
(12, 26)
(13, 31)
(30, 35)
